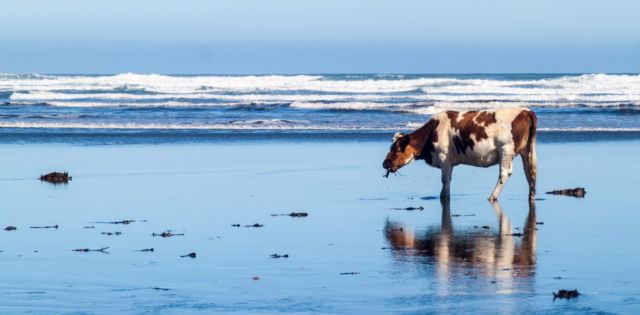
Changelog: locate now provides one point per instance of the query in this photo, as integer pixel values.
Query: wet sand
(353, 253)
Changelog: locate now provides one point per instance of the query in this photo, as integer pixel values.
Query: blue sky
(319, 36)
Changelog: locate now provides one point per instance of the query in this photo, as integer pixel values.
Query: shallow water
(442, 261)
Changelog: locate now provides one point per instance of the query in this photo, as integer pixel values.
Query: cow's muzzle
(389, 167)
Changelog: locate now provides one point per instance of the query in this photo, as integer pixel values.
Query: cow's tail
(531, 150)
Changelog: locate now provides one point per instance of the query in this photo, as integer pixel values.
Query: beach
(357, 251)
(261, 157)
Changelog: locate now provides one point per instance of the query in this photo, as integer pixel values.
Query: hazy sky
(319, 36)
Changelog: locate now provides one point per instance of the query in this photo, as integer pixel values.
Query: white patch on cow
(409, 160)
(484, 154)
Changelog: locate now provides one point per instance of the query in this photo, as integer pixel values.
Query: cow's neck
(418, 140)
(423, 139)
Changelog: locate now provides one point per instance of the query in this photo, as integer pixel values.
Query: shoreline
(127, 136)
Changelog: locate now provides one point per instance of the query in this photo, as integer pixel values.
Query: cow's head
(400, 154)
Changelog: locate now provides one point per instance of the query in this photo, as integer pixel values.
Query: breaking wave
(248, 125)
(304, 102)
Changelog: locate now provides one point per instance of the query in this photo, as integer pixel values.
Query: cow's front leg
(447, 171)
(506, 167)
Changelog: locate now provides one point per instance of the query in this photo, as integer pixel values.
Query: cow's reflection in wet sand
(477, 254)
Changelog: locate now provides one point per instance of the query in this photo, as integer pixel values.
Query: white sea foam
(269, 121)
(418, 95)
(346, 105)
(154, 126)
(324, 101)
(120, 104)
(156, 82)
(106, 97)
(319, 92)
(415, 125)
(248, 125)
(190, 84)
(566, 85)
(589, 129)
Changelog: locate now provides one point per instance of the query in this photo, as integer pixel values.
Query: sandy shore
(354, 253)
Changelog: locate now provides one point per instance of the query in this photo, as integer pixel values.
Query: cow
(478, 138)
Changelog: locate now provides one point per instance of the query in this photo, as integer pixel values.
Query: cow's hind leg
(506, 167)
(529, 166)
(447, 171)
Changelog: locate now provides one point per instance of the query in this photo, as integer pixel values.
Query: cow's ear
(397, 136)
(404, 142)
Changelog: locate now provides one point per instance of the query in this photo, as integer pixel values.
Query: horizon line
(320, 73)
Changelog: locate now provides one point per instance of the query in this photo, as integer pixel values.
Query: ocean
(131, 107)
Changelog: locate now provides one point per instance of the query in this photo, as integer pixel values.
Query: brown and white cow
(477, 138)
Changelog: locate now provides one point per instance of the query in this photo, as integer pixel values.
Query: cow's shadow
(499, 257)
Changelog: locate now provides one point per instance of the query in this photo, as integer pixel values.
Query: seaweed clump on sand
(566, 294)
(576, 192)
(292, 214)
(279, 256)
(256, 225)
(45, 227)
(410, 208)
(86, 250)
(56, 178)
(117, 222)
(167, 233)
(112, 233)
